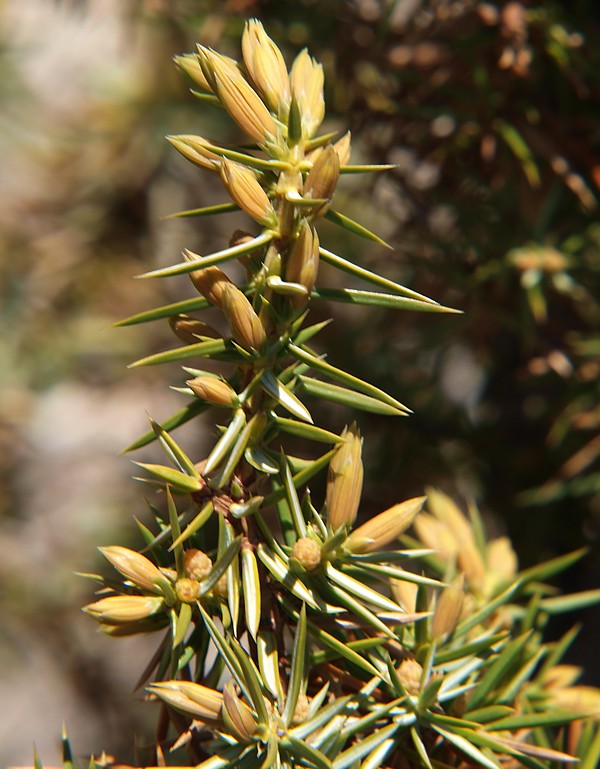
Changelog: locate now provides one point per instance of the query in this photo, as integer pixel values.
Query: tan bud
(301, 710)
(409, 672)
(135, 567)
(322, 179)
(190, 65)
(266, 66)
(193, 699)
(238, 97)
(385, 527)
(206, 58)
(245, 323)
(191, 330)
(307, 552)
(237, 715)
(404, 593)
(214, 391)
(122, 609)
(448, 609)
(187, 590)
(306, 79)
(303, 259)
(197, 564)
(501, 559)
(344, 480)
(194, 149)
(342, 147)
(209, 281)
(220, 589)
(243, 187)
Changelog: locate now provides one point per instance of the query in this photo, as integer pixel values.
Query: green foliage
(291, 634)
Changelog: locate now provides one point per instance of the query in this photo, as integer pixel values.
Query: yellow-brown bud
(237, 96)
(209, 281)
(243, 187)
(322, 179)
(237, 715)
(194, 149)
(409, 673)
(135, 567)
(123, 609)
(385, 527)
(344, 480)
(190, 65)
(193, 699)
(191, 330)
(301, 710)
(303, 260)
(306, 79)
(197, 564)
(266, 66)
(245, 323)
(405, 594)
(342, 147)
(214, 391)
(307, 552)
(187, 590)
(448, 609)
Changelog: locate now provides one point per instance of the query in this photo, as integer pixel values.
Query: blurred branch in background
(488, 110)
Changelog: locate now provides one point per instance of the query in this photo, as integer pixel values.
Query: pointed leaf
(303, 430)
(377, 299)
(252, 589)
(350, 398)
(178, 419)
(285, 397)
(342, 376)
(219, 257)
(196, 524)
(221, 565)
(354, 227)
(166, 311)
(214, 348)
(173, 477)
(372, 277)
(462, 743)
(174, 451)
(221, 208)
(226, 442)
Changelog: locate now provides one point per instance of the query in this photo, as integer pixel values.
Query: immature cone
(344, 480)
(197, 564)
(214, 391)
(409, 672)
(385, 527)
(266, 66)
(245, 323)
(243, 187)
(307, 552)
(237, 96)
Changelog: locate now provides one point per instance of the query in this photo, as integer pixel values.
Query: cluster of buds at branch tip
(345, 479)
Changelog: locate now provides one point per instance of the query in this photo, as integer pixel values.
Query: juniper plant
(288, 635)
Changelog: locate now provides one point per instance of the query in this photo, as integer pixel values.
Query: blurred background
(490, 112)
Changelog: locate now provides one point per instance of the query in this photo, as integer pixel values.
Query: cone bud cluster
(307, 552)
